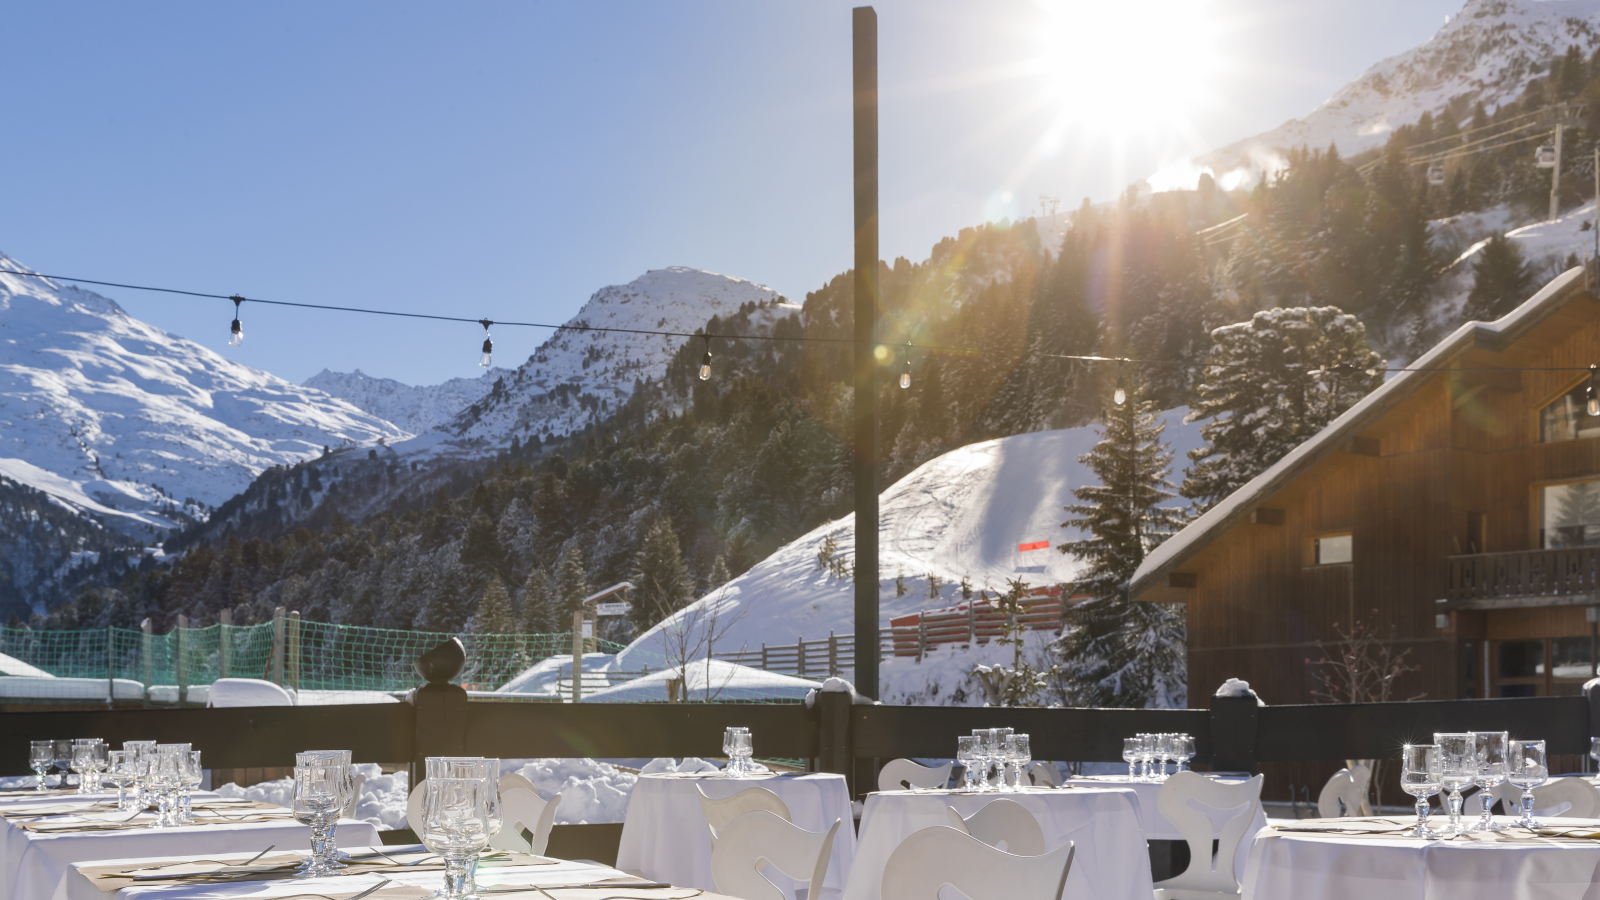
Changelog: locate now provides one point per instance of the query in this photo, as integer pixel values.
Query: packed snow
(962, 514)
(112, 416)
(413, 408)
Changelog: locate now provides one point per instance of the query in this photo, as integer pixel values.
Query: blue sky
(508, 159)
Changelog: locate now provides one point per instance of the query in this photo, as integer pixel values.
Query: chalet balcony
(1523, 578)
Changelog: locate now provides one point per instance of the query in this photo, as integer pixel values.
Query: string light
(705, 361)
(905, 377)
(488, 345)
(1120, 395)
(236, 335)
(1592, 392)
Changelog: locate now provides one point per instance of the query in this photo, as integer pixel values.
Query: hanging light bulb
(905, 377)
(705, 361)
(488, 345)
(1592, 392)
(236, 336)
(1120, 395)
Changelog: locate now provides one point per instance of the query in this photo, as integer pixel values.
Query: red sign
(1036, 545)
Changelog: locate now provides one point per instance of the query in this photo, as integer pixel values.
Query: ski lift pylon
(1436, 174)
(1545, 156)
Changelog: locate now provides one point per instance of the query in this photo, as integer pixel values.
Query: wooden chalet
(1462, 503)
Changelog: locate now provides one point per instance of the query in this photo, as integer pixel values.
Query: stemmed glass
(1489, 751)
(319, 795)
(1001, 760)
(745, 751)
(63, 759)
(1020, 754)
(990, 756)
(325, 855)
(1185, 751)
(456, 826)
(1526, 768)
(967, 754)
(1130, 755)
(166, 779)
(41, 755)
(119, 772)
(193, 774)
(87, 756)
(144, 753)
(1458, 766)
(1421, 776)
(733, 749)
(487, 772)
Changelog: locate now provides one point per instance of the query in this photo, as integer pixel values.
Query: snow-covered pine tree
(1114, 651)
(1501, 280)
(1268, 385)
(572, 582)
(660, 580)
(538, 604)
(494, 615)
(719, 574)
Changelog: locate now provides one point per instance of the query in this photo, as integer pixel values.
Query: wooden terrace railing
(1523, 577)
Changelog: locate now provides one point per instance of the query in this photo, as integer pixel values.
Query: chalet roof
(1237, 506)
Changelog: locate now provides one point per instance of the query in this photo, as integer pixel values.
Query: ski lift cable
(1461, 134)
(1469, 149)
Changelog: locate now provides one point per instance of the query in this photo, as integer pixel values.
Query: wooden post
(833, 655)
(972, 623)
(577, 655)
(864, 70)
(111, 665)
(922, 638)
(294, 649)
(800, 648)
(1235, 722)
(277, 646)
(224, 642)
(833, 709)
(146, 649)
(763, 656)
(181, 665)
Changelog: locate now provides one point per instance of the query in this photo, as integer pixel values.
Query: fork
(382, 884)
(190, 862)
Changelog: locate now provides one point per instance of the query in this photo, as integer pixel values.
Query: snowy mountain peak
(111, 415)
(1486, 53)
(414, 408)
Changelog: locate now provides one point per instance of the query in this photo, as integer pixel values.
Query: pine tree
(480, 546)
(1116, 652)
(538, 604)
(572, 582)
(660, 580)
(1501, 280)
(494, 615)
(1268, 385)
(719, 574)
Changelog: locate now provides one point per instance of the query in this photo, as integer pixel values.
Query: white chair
(513, 780)
(757, 839)
(1002, 821)
(903, 775)
(1558, 798)
(932, 858)
(355, 798)
(719, 813)
(1044, 773)
(414, 808)
(1347, 789)
(526, 820)
(1208, 876)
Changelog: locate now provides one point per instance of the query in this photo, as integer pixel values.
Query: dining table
(1375, 859)
(665, 836)
(41, 840)
(1111, 860)
(1157, 827)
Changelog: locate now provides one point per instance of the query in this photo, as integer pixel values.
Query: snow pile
(1236, 687)
(113, 416)
(416, 409)
(591, 790)
(717, 679)
(944, 675)
(962, 514)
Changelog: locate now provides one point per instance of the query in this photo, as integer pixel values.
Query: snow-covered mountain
(1487, 52)
(113, 416)
(960, 515)
(577, 376)
(414, 408)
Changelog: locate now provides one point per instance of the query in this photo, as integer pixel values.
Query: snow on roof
(729, 681)
(1240, 503)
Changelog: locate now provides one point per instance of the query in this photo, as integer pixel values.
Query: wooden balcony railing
(1525, 577)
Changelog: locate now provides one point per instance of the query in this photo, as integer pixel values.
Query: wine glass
(487, 772)
(1019, 754)
(119, 774)
(1458, 766)
(165, 776)
(967, 754)
(318, 798)
(1527, 769)
(79, 763)
(1185, 752)
(993, 756)
(729, 751)
(1130, 755)
(455, 826)
(63, 759)
(193, 774)
(143, 751)
(1489, 751)
(41, 755)
(1421, 776)
(344, 778)
(1002, 764)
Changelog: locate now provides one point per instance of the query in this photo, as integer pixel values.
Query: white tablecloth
(1111, 862)
(664, 833)
(35, 866)
(1157, 828)
(81, 888)
(1331, 867)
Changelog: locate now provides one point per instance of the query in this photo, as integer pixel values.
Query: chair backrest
(719, 813)
(1044, 773)
(414, 808)
(1558, 798)
(934, 857)
(1002, 821)
(1242, 798)
(513, 780)
(525, 821)
(752, 841)
(1347, 788)
(355, 798)
(903, 774)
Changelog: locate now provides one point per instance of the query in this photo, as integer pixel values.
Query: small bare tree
(685, 633)
(1361, 666)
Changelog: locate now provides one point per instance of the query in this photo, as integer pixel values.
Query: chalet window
(1331, 549)
(1565, 419)
(1570, 514)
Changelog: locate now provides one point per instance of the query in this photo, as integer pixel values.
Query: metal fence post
(146, 648)
(277, 646)
(180, 665)
(294, 649)
(1235, 722)
(224, 644)
(111, 665)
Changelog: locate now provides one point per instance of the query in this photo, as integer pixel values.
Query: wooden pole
(864, 58)
(577, 655)
(224, 642)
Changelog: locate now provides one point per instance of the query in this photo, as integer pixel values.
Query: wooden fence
(1494, 580)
